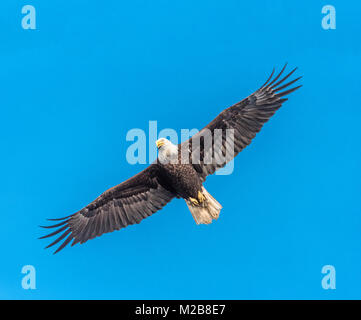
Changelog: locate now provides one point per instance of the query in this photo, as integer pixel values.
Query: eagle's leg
(201, 197)
(199, 200)
(194, 201)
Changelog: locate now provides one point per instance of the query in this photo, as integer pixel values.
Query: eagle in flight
(178, 174)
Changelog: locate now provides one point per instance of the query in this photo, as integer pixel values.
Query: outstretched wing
(125, 204)
(246, 118)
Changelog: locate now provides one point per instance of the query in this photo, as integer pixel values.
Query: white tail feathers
(205, 212)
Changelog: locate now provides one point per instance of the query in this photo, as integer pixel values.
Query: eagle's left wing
(125, 204)
(246, 118)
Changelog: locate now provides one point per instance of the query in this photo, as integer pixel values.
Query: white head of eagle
(167, 151)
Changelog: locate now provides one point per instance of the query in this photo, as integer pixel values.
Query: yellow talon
(194, 201)
(201, 197)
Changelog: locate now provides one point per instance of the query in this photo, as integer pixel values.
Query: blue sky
(92, 70)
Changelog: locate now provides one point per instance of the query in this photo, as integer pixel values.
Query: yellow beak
(159, 143)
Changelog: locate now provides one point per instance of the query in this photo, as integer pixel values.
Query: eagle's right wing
(125, 204)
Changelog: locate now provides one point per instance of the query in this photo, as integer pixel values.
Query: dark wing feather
(246, 118)
(125, 204)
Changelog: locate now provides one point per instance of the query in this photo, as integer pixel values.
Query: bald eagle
(170, 176)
